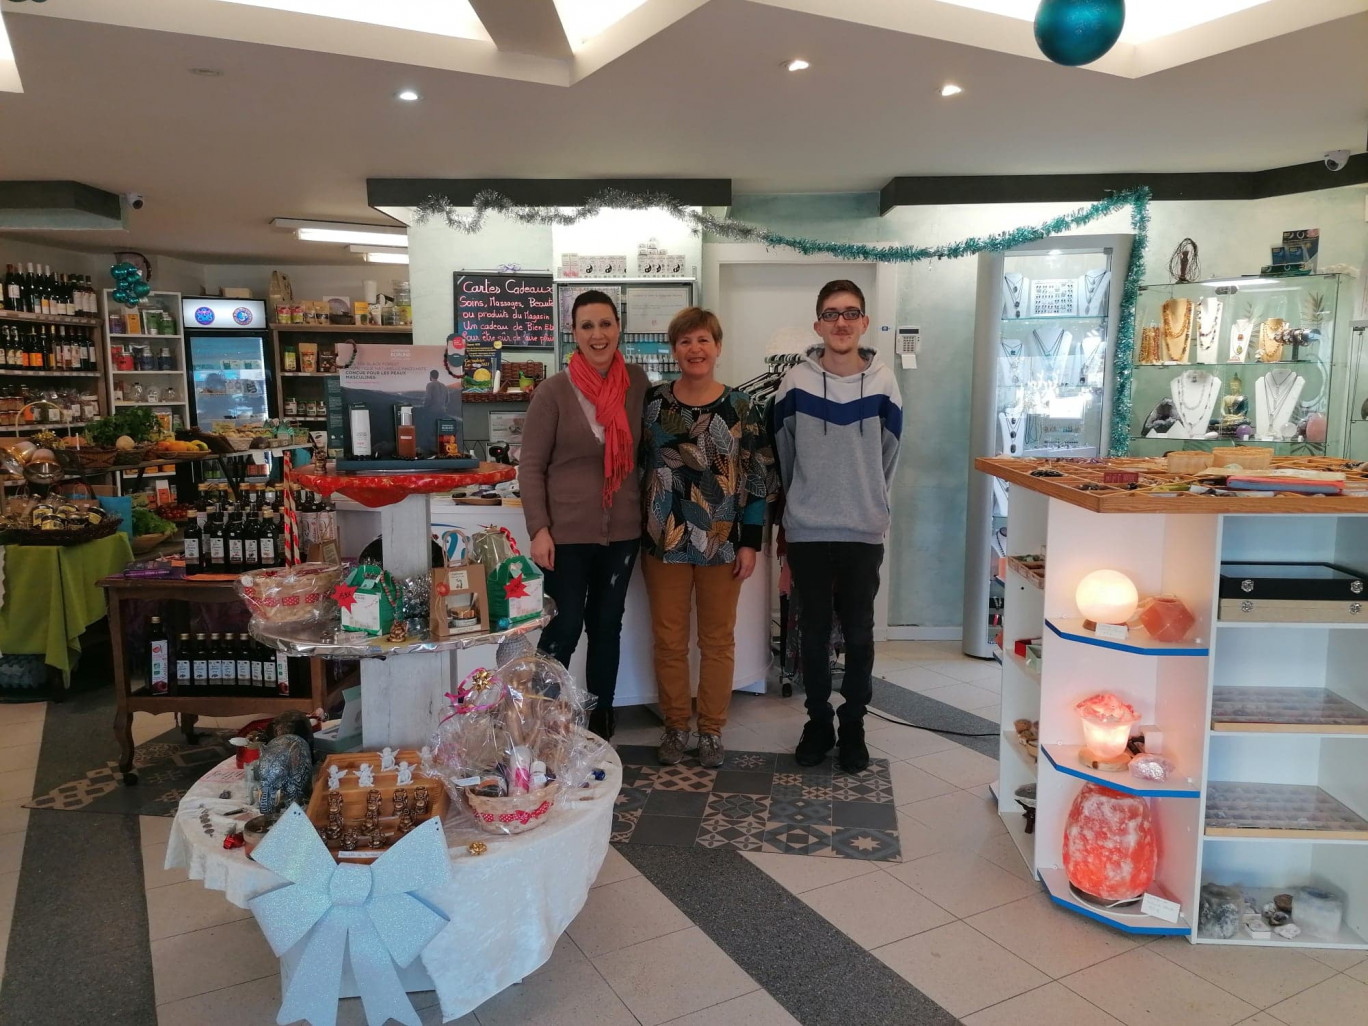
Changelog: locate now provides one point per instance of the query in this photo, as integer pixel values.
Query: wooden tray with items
(1146, 485)
(1240, 809)
(1257, 710)
(355, 797)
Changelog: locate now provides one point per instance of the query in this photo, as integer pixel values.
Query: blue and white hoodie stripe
(836, 439)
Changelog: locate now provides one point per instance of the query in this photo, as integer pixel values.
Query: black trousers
(844, 577)
(589, 586)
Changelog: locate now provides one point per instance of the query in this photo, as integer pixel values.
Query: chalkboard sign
(508, 310)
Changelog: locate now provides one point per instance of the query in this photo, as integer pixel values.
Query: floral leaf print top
(707, 473)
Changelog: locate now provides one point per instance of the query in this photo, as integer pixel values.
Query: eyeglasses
(834, 315)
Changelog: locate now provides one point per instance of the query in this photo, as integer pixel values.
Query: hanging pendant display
(1074, 32)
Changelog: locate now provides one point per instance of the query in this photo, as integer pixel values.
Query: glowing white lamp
(1107, 723)
(1106, 596)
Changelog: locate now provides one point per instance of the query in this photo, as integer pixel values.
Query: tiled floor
(959, 918)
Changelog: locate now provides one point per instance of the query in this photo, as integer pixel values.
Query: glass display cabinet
(1045, 329)
(1241, 361)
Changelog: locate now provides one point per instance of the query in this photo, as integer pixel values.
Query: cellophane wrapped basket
(513, 744)
(292, 594)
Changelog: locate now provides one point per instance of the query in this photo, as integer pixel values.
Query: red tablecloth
(377, 490)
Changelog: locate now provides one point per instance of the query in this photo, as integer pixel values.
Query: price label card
(1160, 908)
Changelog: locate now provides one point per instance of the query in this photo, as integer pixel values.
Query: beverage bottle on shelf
(269, 541)
(12, 288)
(194, 537)
(218, 554)
(215, 657)
(185, 662)
(32, 302)
(251, 538)
(158, 658)
(282, 674)
(233, 536)
(244, 662)
(199, 663)
(260, 653)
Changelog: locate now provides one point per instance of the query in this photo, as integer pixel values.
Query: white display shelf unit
(1173, 687)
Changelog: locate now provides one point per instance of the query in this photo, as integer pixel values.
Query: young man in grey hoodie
(837, 424)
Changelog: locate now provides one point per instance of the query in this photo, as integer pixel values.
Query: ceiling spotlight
(407, 95)
(797, 64)
(950, 89)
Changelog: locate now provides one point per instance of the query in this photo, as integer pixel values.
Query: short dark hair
(432, 375)
(839, 285)
(590, 297)
(692, 318)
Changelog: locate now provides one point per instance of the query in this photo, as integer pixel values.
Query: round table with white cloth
(507, 907)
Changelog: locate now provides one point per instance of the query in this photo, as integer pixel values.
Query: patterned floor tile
(749, 761)
(855, 790)
(788, 839)
(788, 780)
(684, 778)
(738, 807)
(874, 815)
(623, 825)
(787, 791)
(630, 798)
(639, 776)
(675, 831)
(866, 843)
(743, 836)
(743, 782)
(800, 812)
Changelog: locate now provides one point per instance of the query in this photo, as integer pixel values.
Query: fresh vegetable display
(136, 423)
(147, 522)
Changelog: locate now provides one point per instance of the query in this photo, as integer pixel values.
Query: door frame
(880, 335)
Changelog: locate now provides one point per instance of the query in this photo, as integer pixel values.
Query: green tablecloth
(51, 596)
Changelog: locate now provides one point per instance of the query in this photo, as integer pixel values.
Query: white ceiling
(289, 131)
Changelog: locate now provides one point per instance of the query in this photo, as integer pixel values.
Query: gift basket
(292, 594)
(513, 744)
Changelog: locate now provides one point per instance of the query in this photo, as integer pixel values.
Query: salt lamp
(1107, 723)
(1165, 618)
(1110, 851)
(1106, 596)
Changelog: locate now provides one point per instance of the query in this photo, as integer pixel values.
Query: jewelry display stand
(1276, 395)
(403, 686)
(1194, 395)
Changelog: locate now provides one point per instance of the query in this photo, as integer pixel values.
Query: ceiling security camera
(135, 199)
(1336, 159)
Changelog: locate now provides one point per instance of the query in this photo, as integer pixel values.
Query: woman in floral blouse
(707, 472)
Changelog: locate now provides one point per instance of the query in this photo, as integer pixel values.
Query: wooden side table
(187, 707)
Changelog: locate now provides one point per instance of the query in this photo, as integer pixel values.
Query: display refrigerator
(227, 360)
(1044, 340)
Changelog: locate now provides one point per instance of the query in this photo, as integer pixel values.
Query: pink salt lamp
(1165, 618)
(1107, 723)
(1110, 851)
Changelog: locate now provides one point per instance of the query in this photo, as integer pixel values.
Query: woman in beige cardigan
(581, 495)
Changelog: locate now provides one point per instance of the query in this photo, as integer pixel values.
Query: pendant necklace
(1239, 339)
(1011, 347)
(1014, 292)
(1208, 324)
(1192, 414)
(1278, 392)
(1176, 336)
(1052, 350)
(1270, 340)
(1092, 285)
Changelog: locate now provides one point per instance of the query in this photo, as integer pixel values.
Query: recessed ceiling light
(342, 232)
(407, 94)
(950, 89)
(382, 257)
(797, 64)
(1055, 252)
(207, 72)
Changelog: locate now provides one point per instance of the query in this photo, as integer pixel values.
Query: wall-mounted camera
(135, 200)
(1336, 159)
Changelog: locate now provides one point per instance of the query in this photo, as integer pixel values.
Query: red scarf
(609, 397)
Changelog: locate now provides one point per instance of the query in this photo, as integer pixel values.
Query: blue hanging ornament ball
(141, 289)
(1074, 32)
(120, 296)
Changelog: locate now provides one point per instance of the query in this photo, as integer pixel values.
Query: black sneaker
(851, 754)
(818, 739)
(601, 723)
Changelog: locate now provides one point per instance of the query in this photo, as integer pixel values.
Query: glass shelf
(1098, 319)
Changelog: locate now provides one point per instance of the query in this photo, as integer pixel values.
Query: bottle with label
(199, 664)
(268, 672)
(260, 653)
(282, 674)
(289, 360)
(185, 666)
(233, 534)
(251, 541)
(158, 658)
(215, 657)
(268, 544)
(218, 553)
(359, 435)
(194, 535)
(244, 661)
(405, 433)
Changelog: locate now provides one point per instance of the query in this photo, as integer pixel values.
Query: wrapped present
(369, 600)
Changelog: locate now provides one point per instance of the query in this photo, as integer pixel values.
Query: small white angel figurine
(365, 775)
(425, 754)
(335, 775)
(386, 759)
(405, 773)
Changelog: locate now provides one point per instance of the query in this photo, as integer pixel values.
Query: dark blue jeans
(840, 577)
(589, 586)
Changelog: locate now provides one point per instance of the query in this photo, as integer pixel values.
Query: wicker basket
(128, 457)
(96, 457)
(1188, 462)
(69, 536)
(290, 594)
(1246, 457)
(515, 814)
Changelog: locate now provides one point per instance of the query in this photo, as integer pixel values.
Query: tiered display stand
(1267, 723)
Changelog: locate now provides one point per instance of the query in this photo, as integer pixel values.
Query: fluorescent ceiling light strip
(1145, 21)
(585, 19)
(455, 18)
(387, 258)
(342, 232)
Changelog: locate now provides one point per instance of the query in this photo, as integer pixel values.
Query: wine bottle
(215, 657)
(199, 664)
(158, 658)
(194, 536)
(244, 662)
(185, 660)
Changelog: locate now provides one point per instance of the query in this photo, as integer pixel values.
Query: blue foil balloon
(1074, 32)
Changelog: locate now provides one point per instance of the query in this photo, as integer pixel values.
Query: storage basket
(66, 536)
(1188, 462)
(290, 594)
(128, 457)
(515, 814)
(1246, 457)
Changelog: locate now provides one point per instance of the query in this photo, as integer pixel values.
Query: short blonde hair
(692, 318)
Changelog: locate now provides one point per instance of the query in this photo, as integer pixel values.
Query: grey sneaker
(710, 751)
(673, 744)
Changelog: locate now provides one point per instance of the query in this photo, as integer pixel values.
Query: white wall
(168, 273)
(308, 281)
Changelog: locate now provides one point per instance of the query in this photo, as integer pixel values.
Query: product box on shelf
(368, 599)
(515, 591)
(460, 601)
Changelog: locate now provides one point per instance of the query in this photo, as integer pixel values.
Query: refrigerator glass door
(228, 378)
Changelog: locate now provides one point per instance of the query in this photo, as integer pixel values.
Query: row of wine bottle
(213, 664)
(233, 542)
(42, 292)
(45, 347)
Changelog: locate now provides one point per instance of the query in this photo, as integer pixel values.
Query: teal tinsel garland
(616, 199)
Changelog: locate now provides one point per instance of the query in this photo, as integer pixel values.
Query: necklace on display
(1195, 401)
(1239, 339)
(1011, 346)
(1176, 335)
(1092, 289)
(1208, 326)
(1278, 392)
(1270, 340)
(1093, 351)
(1052, 350)
(1014, 291)
(1011, 425)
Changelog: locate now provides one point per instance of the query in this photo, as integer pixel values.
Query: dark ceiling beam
(58, 206)
(542, 192)
(524, 26)
(907, 191)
